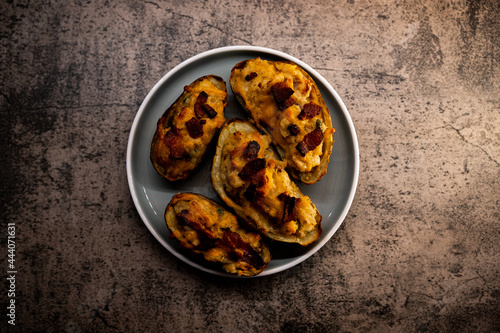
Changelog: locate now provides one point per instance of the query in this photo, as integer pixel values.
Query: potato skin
(188, 127)
(203, 227)
(263, 199)
(275, 95)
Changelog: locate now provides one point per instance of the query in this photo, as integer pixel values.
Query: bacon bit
(202, 98)
(251, 150)
(310, 110)
(254, 192)
(202, 109)
(206, 237)
(251, 193)
(195, 127)
(310, 142)
(205, 243)
(173, 141)
(209, 111)
(258, 180)
(251, 76)
(255, 196)
(282, 95)
(232, 241)
(252, 168)
(289, 210)
(293, 129)
(198, 106)
(185, 218)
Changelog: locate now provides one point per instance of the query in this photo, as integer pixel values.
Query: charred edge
(240, 65)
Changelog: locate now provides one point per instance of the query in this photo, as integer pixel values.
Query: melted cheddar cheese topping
(267, 188)
(176, 139)
(212, 223)
(253, 84)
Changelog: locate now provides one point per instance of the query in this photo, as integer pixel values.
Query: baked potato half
(203, 227)
(250, 178)
(188, 126)
(281, 98)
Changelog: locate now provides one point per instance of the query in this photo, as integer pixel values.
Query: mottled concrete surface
(418, 251)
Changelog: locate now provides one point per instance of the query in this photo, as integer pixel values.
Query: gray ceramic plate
(333, 194)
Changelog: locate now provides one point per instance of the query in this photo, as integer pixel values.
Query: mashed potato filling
(276, 94)
(210, 230)
(183, 141)
(254, 178)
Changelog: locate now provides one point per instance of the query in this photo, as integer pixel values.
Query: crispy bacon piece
(282, 95)
(209, 111)
(202, 109)
(232, 240)
(206, 237)
(251, 150)
(173, 141)
(255, 196)
(293, 129)
(251, 193)
(310, 110)
(289, 210)
(195, 127)
(310, 142)
(252, 168)
(251, 76)
(198, 106)
(185, 218)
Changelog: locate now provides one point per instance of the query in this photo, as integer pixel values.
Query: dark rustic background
(418, 251)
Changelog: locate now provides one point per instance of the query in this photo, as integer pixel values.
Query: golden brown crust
(282, 99)
(203, 227)
(187, 128)
(258, 187)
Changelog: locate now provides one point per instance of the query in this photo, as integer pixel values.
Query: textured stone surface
(419, 249)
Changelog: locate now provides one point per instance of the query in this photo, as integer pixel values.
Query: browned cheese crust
(187, 128)
(281, 98)
(203, 227)
(251, 179)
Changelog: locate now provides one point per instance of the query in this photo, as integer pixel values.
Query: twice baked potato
(282, 98)
(250, 178)
(188, 126)
(203, 227)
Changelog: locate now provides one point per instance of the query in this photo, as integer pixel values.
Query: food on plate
(282, 99)
(188, 126)
(203, 227)
(250, 178)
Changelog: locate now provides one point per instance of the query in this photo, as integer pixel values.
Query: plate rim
(133, 131)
